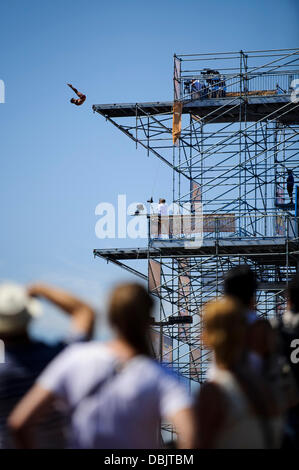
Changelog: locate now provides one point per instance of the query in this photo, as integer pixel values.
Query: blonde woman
(235, 409)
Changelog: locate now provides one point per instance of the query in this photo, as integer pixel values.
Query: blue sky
(59, 161)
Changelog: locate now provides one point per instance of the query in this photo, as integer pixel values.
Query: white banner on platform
(177, 79)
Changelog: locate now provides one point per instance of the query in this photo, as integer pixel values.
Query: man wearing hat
(25, 358)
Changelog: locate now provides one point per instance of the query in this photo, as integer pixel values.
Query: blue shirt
(196, 86)
(24, 362)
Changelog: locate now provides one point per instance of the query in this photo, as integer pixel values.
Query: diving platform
(216, 110)
(227, 197)
(272, 251)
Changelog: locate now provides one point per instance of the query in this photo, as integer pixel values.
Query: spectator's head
(162, 201)
(129, 314)
(293, 294)
(17, 309)
(240, 283)
(290, 172)
(261, 338)
(224, 330)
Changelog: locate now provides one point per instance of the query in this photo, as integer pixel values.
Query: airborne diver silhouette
(81, 98)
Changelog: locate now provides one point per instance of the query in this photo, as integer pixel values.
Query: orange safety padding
(177, 121)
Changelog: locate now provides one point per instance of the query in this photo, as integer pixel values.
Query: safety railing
(220, 226)
(205, 86)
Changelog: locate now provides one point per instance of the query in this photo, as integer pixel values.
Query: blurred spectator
(235, 408)
(240, 282)
(260, 346)
(288, 330)
(116, 393)
(272, 366)
(26, 358)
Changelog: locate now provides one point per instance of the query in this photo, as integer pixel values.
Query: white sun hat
(17, 308)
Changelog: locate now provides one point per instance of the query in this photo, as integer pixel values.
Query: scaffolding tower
(237, 136)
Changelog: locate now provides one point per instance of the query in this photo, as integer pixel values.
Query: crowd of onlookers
(82, 393)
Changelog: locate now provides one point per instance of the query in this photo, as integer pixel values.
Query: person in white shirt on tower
(163, 224)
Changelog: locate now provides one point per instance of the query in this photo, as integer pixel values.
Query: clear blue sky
(59, 161)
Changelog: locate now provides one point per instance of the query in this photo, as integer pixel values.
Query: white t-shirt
(162, 209)
(127, 406)
(242, 428)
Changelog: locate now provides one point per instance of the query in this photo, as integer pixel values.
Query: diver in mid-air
(81, 98)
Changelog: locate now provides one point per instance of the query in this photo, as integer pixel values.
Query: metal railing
(223, 226)
(228, 86)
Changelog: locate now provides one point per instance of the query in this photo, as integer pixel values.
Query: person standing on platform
(290, 185)
(196, 89)
(162, 207)
(163, 219)
(222, 86)
(215, 87)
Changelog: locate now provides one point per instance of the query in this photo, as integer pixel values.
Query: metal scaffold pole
(237, 137)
